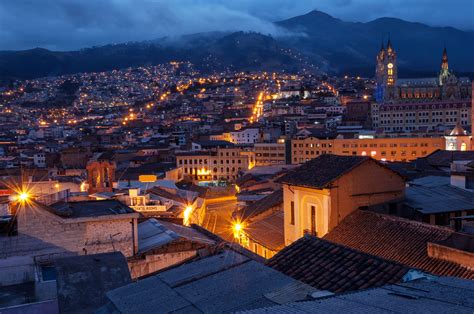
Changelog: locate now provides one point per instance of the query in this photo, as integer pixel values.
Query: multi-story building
(268, 154)
(223, 164)
(422, 116)
(385, 149)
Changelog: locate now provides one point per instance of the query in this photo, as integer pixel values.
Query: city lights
(246, 174)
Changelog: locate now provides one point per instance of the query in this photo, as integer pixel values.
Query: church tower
(386, 73)
(379, 65)
(444, 73)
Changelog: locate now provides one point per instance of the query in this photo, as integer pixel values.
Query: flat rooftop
(86, 209)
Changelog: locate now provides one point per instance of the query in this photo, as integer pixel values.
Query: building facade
(224, 164)
(421, 116)
(268, 154)
(385, 149)
(242, 136)
(338, 186)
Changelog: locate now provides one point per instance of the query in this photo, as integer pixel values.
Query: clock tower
(386, 73)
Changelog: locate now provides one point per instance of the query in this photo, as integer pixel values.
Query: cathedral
(390, 89)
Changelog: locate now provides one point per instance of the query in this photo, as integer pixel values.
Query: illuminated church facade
(445, 87)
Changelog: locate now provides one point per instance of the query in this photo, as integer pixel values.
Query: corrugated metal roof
(152, 234)
(290, 292)
(225, 282)
(439, 295)
(150, 295)
(268, 231)
(202, 268)
(234, 288)
(438, 199)
(430, 181)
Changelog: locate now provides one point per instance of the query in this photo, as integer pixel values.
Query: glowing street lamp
(187, 215)
(23, 197)
(237, 229)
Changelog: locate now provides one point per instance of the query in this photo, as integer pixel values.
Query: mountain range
(315, 41)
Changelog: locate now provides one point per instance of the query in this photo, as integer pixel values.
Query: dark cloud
(71, 24)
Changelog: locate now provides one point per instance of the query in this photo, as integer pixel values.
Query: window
(442, 219)
(313, 220)
(292, 213)
(48, 272)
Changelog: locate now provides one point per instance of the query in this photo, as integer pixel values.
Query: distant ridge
(331, 44)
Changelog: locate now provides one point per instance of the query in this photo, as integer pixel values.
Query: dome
(458, 131)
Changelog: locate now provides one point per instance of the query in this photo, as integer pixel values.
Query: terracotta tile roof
(321, 171)
(333, 267)
(396, 239)
(260, 206)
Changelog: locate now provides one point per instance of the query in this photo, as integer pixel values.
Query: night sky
(72, 24)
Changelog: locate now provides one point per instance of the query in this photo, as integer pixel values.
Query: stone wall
(43, 236)
(449, 254)
(86, 237)
(153, 263)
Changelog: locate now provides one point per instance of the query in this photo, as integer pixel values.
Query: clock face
(390, 65)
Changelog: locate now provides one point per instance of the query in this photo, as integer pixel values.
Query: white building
(244, 136)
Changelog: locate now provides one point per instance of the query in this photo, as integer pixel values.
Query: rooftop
(436, 198)
(444, 158)
(177, 195)
(220, 283)
(333, 267)
(268, 231)
(396, 239)
(320, 172)
(155, 168)
(153, 234)
(82, 281)
(262, 205)
(84, 209)
(437, 295)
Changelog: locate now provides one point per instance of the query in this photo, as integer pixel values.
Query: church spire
(444, 73)
(381, 54)
(389, 46)
(444, 62)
